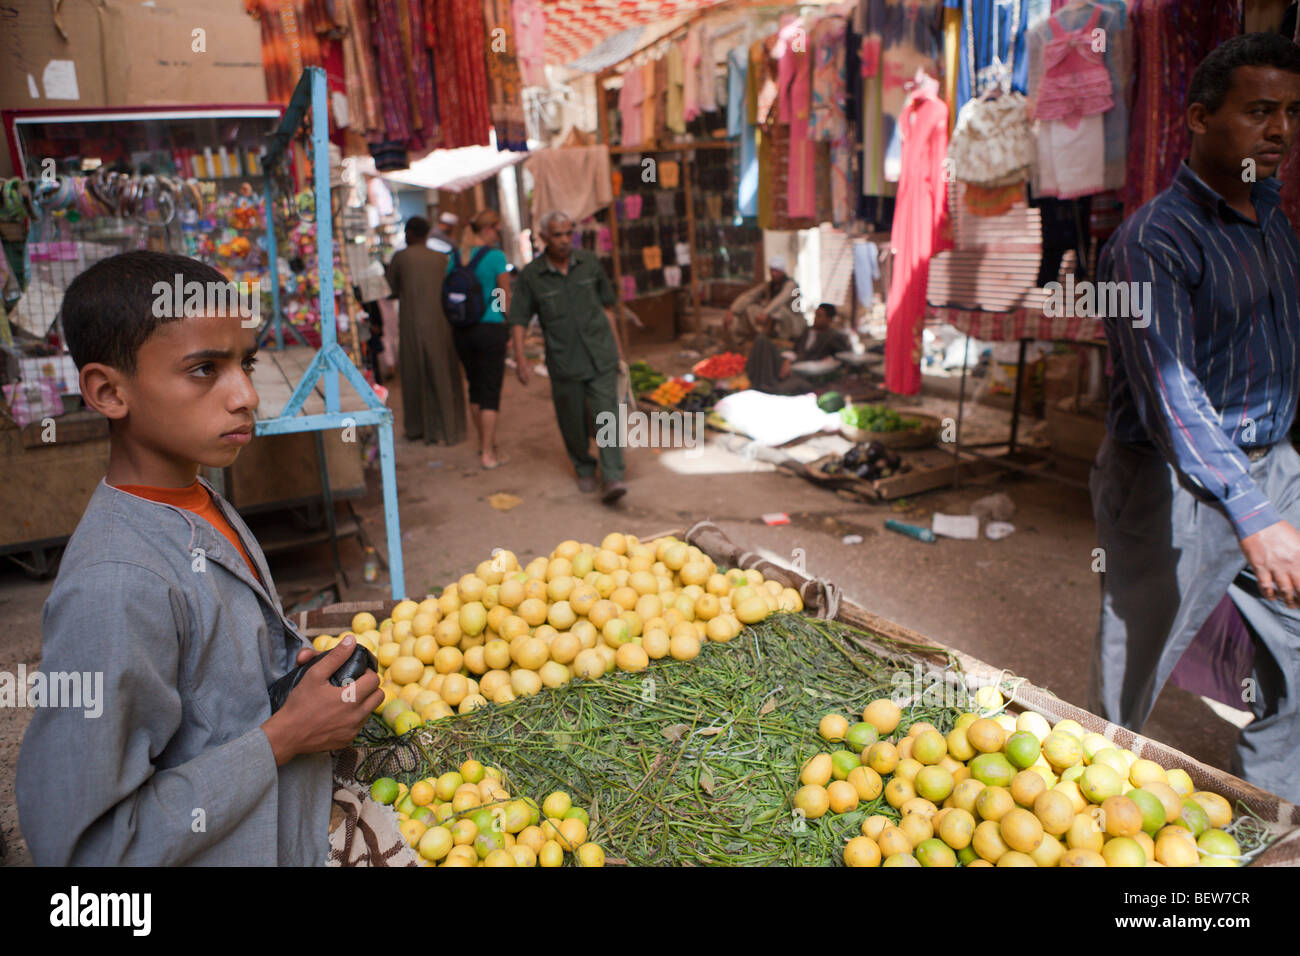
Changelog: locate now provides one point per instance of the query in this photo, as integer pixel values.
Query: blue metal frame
(331, 361)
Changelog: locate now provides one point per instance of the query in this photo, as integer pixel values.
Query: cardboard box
(122, 53)
(154, 56)
(41, 68)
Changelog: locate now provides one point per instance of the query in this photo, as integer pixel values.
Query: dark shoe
(613, 491)
(587, 483)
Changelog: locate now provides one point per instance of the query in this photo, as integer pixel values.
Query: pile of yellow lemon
(1009, 791)
(505, 632)
(467, 817)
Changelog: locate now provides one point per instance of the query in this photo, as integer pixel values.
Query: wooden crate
(334, 619)
(823, 598)
(276, 469)
(284, 469)
(929, 468)
(44, 489)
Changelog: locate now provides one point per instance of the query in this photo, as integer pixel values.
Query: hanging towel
(575, 181)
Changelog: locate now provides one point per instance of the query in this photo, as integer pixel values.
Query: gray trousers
(1170, 556)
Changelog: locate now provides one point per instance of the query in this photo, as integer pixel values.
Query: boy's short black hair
(108, 311)
(829, 309)
(417, 229)
(1213, 78)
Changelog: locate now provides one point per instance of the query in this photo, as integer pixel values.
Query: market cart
(705, 741)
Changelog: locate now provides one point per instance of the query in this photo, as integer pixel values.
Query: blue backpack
(462, 296)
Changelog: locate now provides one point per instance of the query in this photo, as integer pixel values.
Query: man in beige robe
(433, 392)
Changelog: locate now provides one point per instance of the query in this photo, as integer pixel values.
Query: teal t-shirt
(487, 270)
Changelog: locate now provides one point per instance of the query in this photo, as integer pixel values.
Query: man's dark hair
(417, 230)
(109, 310)
(1213, 78)
(829, 309)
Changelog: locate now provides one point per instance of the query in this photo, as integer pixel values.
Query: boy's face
(191, 399)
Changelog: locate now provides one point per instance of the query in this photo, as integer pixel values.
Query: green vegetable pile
(645, 378)
(689, 762)
(876, 418)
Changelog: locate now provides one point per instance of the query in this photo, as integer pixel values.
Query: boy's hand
(318, 716)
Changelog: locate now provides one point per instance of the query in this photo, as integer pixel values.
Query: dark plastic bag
(352, 670)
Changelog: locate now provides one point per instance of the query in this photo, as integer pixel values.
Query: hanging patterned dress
(828, 121)
(289, 44)
(504, 79)
(921, 228)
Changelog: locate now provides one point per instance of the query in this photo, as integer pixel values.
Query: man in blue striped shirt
(1196, 489)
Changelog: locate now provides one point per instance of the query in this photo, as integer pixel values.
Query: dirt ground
(1027, 603)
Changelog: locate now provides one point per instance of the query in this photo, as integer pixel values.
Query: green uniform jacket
(579, 341)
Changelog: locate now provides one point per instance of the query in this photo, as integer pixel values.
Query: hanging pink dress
(794, 106)
(921, 228)
(1076, 82)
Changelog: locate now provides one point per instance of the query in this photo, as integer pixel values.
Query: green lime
(534, 811)
(1218, 849)
(425, 815)
(934, 783)
(1193, 818)
(934, 852)
(842, 764)
(901, 859)
(577, 813)
(860, 736)
(482, 818)
(992, 770)
(487, 841)
(384, 790)
(1073, 773)
(967, 855)
(1099, 782)
(405, 805)
(1022, 749)
(1153, 811)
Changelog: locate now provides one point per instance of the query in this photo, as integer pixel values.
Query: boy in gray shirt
(165, 593)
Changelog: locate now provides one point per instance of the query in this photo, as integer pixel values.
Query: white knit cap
(777, 263)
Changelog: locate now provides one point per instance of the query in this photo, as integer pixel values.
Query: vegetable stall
(679, 701)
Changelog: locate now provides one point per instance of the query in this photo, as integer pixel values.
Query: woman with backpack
(476, 295)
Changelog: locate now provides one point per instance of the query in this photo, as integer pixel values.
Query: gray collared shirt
(176, 769)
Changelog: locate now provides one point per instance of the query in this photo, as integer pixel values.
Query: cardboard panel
(41, 69)
(44, 490)
(153, 55)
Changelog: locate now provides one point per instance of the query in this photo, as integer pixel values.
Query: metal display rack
(330, 361)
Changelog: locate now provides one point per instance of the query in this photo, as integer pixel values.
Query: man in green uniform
(571, 295)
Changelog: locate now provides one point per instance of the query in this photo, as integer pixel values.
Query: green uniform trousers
(577, 403)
